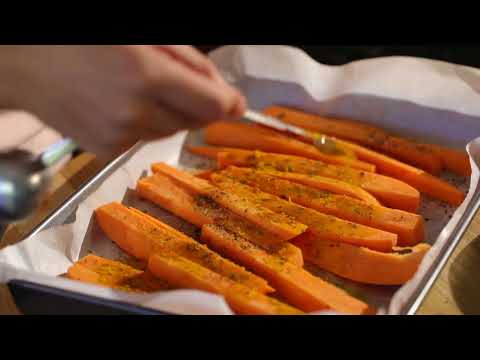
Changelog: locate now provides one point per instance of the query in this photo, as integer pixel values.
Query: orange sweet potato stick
(419, 179)
(453, 160)
(323, 226)
(409, 227)
(141, 236)
(389, 191)
(361, 264)
(284, 227)
(211, 152)
(247, 136)
(296, 285)
(327, 184)
(200, 211)
(104, 272)
(374, 137)
(243, 300)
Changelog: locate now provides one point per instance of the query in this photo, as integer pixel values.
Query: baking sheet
(423, 99)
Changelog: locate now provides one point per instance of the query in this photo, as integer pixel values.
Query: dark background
(339, 55)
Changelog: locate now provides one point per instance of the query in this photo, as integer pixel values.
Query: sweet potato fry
(200, 210)
(140, 235)
(419, 179)
(406, 150)
(361, 264)
(243, 300)
(248, 136)
(409, 227)
(100, 271)
(391, 192)
(296, 285)
(284, 227)
(323, 226)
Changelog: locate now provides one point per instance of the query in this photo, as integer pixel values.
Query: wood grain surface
(454, 292)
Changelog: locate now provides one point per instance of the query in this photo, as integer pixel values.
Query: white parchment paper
(423, 99)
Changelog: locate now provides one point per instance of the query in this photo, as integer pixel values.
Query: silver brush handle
(57, 152)
(322, 143)
(272, 122)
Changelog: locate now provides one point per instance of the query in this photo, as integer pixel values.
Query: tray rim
(115, 305)
(411, 306)
(439, 263)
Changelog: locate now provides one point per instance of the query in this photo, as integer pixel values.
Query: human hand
(108, 97)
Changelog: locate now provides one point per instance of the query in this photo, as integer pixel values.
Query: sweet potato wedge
(361, 264)
(454, 160)
(140, 235)
(319, 182)
(290, 253)
(284, 227)
(294, 284)
(323, 226)
(412, 152)
(109, 273)
(389, 191)
(428, 157)
(200, 211)
(419, 179)
(328, 184)
(243, 300)
(406, 150)
(311, 137)
(409, 227)
(211, 152)
(249, 136)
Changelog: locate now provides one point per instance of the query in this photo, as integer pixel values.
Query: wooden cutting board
(454, 292)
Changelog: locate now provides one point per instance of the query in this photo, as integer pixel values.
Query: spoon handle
(321, 142)
(57, 152)
(272, 122)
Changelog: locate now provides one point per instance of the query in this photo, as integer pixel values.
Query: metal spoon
(322, 142)
(24, 178)
(327, 145)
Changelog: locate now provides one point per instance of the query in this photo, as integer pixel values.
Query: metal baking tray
(35, 298)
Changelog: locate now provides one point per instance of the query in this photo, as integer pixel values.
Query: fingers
(240, 108)
(158, 121)
(147, 122)
(190, 93)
